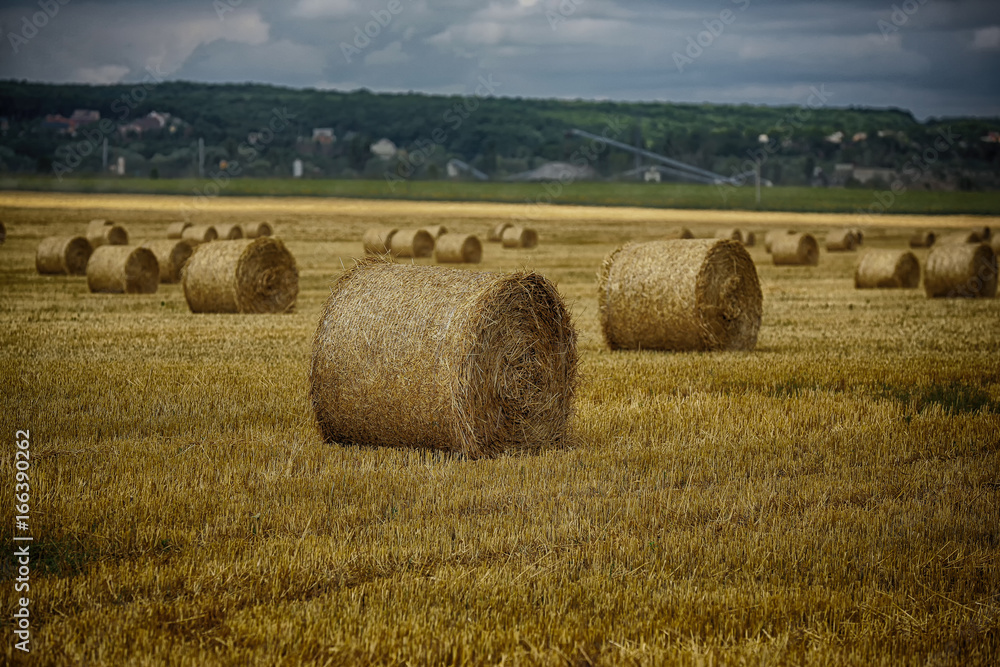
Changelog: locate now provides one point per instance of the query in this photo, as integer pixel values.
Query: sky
(932, 57)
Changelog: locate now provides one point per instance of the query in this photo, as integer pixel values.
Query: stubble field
(832, 497)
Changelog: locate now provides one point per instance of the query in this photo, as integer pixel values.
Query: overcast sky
(932, 57)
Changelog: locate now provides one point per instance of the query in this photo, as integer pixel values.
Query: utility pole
(201, 157)
(104, 157)
(757, 172)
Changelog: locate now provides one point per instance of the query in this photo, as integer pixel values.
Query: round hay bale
(106, 234)
(63, 255)
(458, 249)
(228, 231)
(795, 250)
(959, 238)
(411, 243)
(731, 233)
(96, 226)
(486, 362)
(774, 234)
(698, 294)
(377, 239)
(922, 239)
(841, 240)
(749, 239)
(968, 270)
(243, 276)
(887, 269)
(983, 234)
(255, 230)
(175, 230)
(678, 233)
(200, 234)
(519, 237)
(436, 231)
(858, 234)
(123, 270)
(995, 244)
(496, 234)
(3, 232)
(171, 255)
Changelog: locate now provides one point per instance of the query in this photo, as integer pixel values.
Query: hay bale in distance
(462, 361)
(3, 232)
(105, 232)
(983, 234)
(243, 276)
(254, 230)
(858, 234)
(175, 230)
(959, 238)
(63, 255)
(376, 240)
(770, 236)
(749, 239)
(436, 231)
(887, 269)
(922, 239)
(795, 250)
(228, 231)
(123, 270)
(171, 255)
(200, 234)
(731, 233)
(995, 244)
(678, 233)
(458, 248)
(411, 243)
(496, 234)
(519, 237)
(841, 240)
(967, 270)
(698, 294)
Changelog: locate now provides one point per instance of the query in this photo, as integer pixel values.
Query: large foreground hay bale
(200, 234)
(377, 239)
(105, 232)
(436, 231)
(770, 236)
(887, 268)
(519, 237)
(730, 233)
(171, 255)
(699, 294)
(922, 239)
(496, 234)
(795, 250)
(968, 270)
(63, 255)
(244, 276)
(462, 361)
(254, 230)
(458, 248)
(411, 243)
(175, 230)
(123, 270)
(841, 240)
(678, 233)
(228, 231)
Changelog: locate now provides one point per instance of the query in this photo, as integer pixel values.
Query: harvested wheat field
(830, 497)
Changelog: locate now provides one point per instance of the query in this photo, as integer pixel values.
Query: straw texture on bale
(795, 250)
(200, 234)
(377, 239)
(968, 271)
(171, 255)
(887, 269)
(435, 231)
(106, 234)
(175, 230)
(243, 276)
(228, 231)
(841, 240)
(485, 364)
(922, 239)
(411, 243)
(519, 237)
(731, 234)
(458, 249)
(63, 255)
(678, 233)
(496, 234)
(775, 234)
(123, 270)
(698, 294)
(254, 230)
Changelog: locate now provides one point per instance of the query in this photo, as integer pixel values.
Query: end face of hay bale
(922, 239)
(123, 270)
(229, 232)
(107, 234)
(858, 234)
(961, 271)
(841, 240)
(243, 276)
(795, 250)
(175, 230)
(887, 269)
(376, 240)
(485, 364)
(680, 295)
(63, 255)
(436, 231)
(496, 234)
(171, 255)
(3, 232)
(731, 233)
(255, 230)
(678, 233)
(411, 243)
(200, 234)
(959, 238)
(770, 236)
(519, 237)
(749, 239)
(458, 248)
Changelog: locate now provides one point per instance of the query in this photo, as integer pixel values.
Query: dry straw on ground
(731, 233)
(519, 237)
(376, 240)
(887, 268)
(435, 231)
(770, 237)
(200, 234)
(961, 270)
(105, 232)
(841, 240)
(254, 230)
(229, 231)
(699, 294)
(458, 248)
(419, 356)
(171, 255)
(243, 276)
(496, 234)
(795, 250)
(922, 239)
(678, 233)
(175, 230)
(123, 270)
(63, 255)
(411, 243)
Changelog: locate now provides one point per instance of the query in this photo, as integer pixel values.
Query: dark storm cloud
(934, 57)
